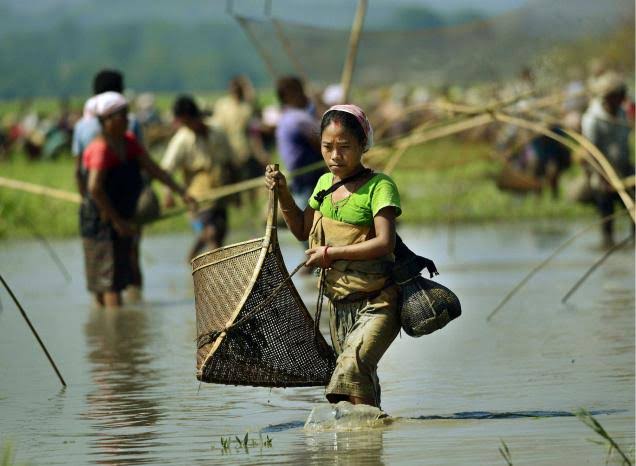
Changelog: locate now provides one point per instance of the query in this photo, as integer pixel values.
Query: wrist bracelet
(324, 256)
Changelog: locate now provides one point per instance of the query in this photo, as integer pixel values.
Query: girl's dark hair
(348, 121)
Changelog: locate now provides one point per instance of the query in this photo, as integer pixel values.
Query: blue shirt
(294, 131)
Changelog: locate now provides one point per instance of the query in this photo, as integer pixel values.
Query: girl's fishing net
(252, 326)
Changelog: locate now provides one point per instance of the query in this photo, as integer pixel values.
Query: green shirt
(361, 206)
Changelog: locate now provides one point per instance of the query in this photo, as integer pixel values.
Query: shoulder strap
(321, 195)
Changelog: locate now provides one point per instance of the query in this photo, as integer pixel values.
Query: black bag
(424, 305)
(148, 206)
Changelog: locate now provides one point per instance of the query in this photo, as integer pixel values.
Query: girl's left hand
(318, 257)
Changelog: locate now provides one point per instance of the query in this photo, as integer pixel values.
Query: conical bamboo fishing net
(252, 326)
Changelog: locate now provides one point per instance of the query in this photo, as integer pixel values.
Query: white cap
(108, 103)
(333, 94)
(90, 107)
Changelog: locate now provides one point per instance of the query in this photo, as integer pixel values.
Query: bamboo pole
(293, 58)
(35, 333)
(235, 188)
(614, 180)
(542, 129)
(594, 266)
(40, 190)
(436, 133)
(543, 263)
(271, 69)
(599, 161)
(354, 40)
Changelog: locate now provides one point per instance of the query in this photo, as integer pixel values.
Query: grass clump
(586, 418)
(227, 443)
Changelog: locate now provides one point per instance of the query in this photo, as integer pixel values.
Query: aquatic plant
(505, 452)
(245, 443)
(8, 456)
(586, 418)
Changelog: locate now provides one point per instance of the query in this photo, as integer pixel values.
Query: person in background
(236, 114)
(112, 166)
(605, 124)
(203, 154)
(297, 137)
(88, 127)
(84, 132)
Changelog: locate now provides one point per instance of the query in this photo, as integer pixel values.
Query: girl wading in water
(350, 224)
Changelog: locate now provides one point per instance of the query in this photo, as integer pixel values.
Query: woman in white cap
(350, 224)
(113, 164)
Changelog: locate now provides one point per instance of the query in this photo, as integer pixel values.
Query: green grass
(439, 182)
(448, 180)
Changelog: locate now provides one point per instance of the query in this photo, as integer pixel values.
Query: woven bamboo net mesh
(252, 325)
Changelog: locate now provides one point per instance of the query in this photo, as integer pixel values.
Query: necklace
(342, 202)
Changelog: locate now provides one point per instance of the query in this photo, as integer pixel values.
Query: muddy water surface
(132, 397)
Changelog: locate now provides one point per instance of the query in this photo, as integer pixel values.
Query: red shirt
(99, 156)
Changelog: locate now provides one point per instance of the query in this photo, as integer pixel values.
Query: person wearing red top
(112, 164)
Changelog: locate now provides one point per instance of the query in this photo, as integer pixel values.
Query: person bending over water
(350, 224)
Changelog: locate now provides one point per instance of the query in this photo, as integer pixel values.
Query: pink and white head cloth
(360, 116)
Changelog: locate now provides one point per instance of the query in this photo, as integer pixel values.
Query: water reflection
(120, 403)
(354, 448)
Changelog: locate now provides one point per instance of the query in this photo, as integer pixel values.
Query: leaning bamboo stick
(601, 165)
(40, 190)
(354, 40)
(600, 158)
(236, 188)
(543, 263)
(287, 47)
(263, 53)
(594, 266)
(542, 129)
(35, 333)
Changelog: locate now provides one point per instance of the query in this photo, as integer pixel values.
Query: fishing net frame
(252, 325)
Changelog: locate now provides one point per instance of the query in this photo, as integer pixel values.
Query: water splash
(345, 416)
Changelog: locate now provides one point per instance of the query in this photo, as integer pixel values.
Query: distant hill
(53, 47)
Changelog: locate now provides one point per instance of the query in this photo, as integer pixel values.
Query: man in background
(605, 124)
(203, 155)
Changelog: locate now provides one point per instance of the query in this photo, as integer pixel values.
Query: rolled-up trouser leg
(361, 332)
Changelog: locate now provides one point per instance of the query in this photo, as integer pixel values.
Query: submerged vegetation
(8, 456)
(586, 418)
(505, 453)
(246, 443)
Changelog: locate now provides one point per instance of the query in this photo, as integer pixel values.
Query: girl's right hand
(274, 177)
